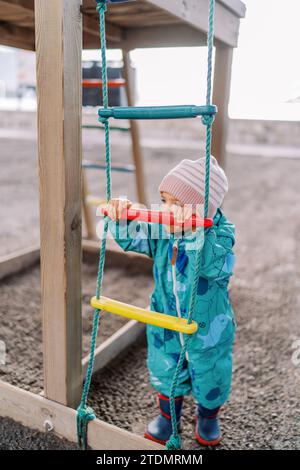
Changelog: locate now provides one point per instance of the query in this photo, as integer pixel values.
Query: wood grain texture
(91, 27)
(33, 410)
(58, 46)
(195, 13)
(236, 6)
(116, 257)
(179, 35)
(17, 36)
(123, 19)
(18, 261)
(86, 209)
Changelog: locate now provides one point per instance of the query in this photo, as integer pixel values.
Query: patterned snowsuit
(207, 370)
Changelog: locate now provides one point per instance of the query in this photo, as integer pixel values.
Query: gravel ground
(24, 352)
(263, 412)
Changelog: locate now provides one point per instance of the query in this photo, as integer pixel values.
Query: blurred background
(265, 76)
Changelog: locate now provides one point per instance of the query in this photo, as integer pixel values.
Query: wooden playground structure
(57, 31)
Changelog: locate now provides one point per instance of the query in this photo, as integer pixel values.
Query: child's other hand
(116, 206)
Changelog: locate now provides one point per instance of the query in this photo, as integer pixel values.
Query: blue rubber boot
(208, 431)
(160, 429)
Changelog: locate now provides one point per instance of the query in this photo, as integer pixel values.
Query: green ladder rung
(101, 128)
(157, 112)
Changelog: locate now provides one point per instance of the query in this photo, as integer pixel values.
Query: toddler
(207, 368)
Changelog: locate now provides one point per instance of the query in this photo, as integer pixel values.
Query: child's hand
(115, 207)
(182, 213)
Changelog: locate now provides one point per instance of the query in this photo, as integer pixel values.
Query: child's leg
(163, 353)
(211, 373)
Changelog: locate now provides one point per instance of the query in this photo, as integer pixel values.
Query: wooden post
(222, 80)
(58, 53)
(87, 213)
(135, 134)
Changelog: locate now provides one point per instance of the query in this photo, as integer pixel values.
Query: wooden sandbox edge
(36, 412)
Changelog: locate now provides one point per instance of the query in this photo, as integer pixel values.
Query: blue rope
(175, 441)
(85, 414)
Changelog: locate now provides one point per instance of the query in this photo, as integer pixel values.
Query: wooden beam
(116, 257)
(59, 86)
(20, 4)
(195, 13)
(33, 410)
(87, 212)
(17, 36)
(236, 6)
(17, 26)
(17, 12)
(115, 345)
(180, 35)
(135, 133)
(91, 26)
(221, 94)
(18, 261)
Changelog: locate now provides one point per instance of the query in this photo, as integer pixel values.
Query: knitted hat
(186, 182)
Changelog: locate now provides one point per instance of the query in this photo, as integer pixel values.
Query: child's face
(168, 201)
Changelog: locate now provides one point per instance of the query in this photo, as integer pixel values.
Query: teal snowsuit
(207, 369)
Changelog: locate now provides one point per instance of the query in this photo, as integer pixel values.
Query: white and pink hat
(186, 182)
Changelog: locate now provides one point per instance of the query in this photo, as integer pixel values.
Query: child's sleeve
(134, 236)
(218, 258)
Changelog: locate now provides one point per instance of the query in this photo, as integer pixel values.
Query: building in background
(17, 79)
(17, 72)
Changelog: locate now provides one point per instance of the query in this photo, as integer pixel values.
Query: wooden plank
(148, 18)
(87, 212)
(195, 13)
(180, 35)
(91, 26)
(221, 93)
(33, 410)
(135, 133)
(58, 45)
(21, 13)
(115, 345)
(132, 16)
(17, 12)
(20, 4)
(116, 257)
(18, 261)
(236, 6)
(17, 36)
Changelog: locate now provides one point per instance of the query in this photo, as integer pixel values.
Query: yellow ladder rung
(145, 316)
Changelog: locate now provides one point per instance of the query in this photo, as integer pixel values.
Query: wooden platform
(143, 23)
